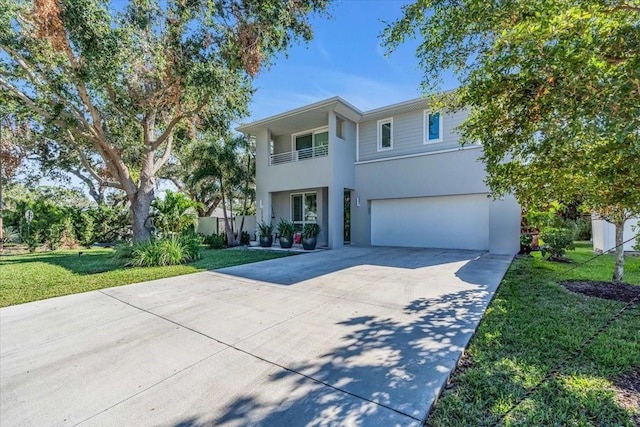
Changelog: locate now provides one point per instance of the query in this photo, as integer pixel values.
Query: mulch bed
(606, 290)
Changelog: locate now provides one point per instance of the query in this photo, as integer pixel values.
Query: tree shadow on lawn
(81, 261)
(386, 371)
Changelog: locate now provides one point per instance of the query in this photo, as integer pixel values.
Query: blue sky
(344, 58)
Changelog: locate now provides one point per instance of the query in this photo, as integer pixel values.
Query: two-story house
(393, 176)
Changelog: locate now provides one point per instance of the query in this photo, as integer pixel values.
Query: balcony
(299, 155)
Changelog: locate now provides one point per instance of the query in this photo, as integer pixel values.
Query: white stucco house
(393, 176)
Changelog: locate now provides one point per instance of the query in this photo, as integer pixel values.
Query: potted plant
(286, 229)
(266, 235)
(310, 236)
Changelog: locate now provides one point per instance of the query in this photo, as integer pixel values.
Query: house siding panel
(408, 136)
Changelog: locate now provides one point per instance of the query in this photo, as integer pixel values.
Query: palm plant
(286, 229)
(175, 214)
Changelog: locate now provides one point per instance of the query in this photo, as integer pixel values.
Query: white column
(336, 219)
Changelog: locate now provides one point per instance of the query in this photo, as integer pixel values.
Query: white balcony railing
(295, 156)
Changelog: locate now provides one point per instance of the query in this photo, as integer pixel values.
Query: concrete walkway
(355, 336)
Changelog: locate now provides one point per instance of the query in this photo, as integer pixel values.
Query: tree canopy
(553, 88)
(112, 85)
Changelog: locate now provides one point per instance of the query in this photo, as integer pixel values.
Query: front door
(347, 216)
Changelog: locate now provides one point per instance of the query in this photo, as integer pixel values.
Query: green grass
(531, 326)
(37, 276)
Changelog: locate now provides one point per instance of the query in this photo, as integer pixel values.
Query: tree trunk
(244, 211)
(227, 229)
(139, 211)
(618, 269)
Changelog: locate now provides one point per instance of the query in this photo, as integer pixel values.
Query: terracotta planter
(309, 243)
(286, 242)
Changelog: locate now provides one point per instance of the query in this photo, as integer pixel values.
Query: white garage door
(457, 222)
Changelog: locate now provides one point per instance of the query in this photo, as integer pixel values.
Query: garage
(457, 222)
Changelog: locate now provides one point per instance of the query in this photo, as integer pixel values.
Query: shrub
(54, 236)
(110, 224)
(10, 235)
(191, 242)
(175, 214)
(215, 241)
(583, 229)
(68, 237)
(557, 241)
(84, 229)
(245, 238)
(172, 250)
(33, 240)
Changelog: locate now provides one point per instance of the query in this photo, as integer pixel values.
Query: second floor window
(432, 127)
(385, 134)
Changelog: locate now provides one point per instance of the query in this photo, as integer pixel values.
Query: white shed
(604, 234)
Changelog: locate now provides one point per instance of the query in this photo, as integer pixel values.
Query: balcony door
(311, 144)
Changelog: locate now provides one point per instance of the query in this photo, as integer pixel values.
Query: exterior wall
(411, 169)
(209, 225)
(332, 174)
(604, 234)
(282, 144)
(343, 155)
(429, 175)
(408, 135)
(504, 226)
(281, 203)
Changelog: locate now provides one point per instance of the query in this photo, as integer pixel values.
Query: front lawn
(41, 275)
(531, 326)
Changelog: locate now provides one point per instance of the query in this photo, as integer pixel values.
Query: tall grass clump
(162, 251)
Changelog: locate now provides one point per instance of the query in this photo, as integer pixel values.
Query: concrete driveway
(354, 336)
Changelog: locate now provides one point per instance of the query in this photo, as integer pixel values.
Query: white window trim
(304, 194)
(379, 132)
(313, 132)
(425, 127)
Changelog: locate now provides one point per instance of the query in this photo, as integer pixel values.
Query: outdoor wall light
(260, 204)
(357, 201)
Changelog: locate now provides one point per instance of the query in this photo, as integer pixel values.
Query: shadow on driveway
(379, 364)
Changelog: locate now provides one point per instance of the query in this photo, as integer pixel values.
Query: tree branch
(26, 99)
(176, 120)
(84, 94)
(165, 156)
(22, 62)
(625, 7)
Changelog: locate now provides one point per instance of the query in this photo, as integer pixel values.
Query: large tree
(114, 84)
(554, 92)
